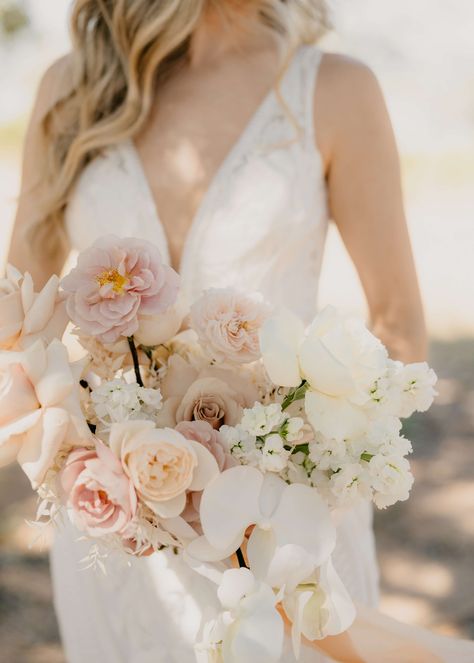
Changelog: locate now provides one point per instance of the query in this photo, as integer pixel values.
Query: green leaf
(295, 394)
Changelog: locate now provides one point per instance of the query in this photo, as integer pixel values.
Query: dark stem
(241, 559)
(136, 365)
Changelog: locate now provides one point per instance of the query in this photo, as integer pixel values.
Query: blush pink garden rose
(212, 394)
(228, 323)
(40, 410)
(100, 498)
(26, 315)
(115, 281)
(202, 432)
(162, 464)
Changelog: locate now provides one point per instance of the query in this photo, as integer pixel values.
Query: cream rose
(26, 316)
(162, 464)
(39, 407)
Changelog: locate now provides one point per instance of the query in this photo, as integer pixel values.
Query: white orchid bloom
(314, 599)
(250, 628)
(287, 514)
(318, 607)
(338, 357)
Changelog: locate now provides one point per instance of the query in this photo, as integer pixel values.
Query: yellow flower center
(114, 278)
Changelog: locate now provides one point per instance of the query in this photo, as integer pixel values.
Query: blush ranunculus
(100, 498)
(228, 324)
(162, 464)
(26, 315)
(115, 281)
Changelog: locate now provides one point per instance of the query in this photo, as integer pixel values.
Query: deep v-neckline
(234, 152)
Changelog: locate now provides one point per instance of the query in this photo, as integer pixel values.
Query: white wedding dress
(261, 226)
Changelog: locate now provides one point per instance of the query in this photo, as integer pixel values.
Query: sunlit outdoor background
(423, 54)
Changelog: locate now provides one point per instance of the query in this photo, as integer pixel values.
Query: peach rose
(26, 316)
(228, 323)
(39, 407)
(99, 496)
(162, 464)
(212, 394)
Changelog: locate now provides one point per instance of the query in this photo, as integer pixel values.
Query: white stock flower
(328, 453)
(350, 483)
(391, 479)
(274, 455)
(417, 387)
(116, 400)
(294, 430)
(262, 419)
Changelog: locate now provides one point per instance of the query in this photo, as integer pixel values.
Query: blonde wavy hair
(123, 49)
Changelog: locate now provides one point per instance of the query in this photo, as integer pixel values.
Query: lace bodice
(262, 223)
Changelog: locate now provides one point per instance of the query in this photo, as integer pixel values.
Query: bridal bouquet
(227, 431)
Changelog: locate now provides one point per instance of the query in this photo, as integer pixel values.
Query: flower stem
(136, 365)
(295, 394)
(241, 558)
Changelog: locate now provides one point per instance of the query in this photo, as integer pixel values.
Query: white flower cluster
(265, 437)
(372, 465)
(116, 400)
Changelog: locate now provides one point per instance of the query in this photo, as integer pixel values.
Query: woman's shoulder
(344, 82)
(348, 99)
(55, 84)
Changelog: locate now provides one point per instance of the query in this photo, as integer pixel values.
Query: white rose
(338, 357)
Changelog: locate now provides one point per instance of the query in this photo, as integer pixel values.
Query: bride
(218, 130)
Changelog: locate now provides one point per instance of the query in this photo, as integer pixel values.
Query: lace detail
(262, 225)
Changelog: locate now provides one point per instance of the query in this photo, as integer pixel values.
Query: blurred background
(423, 54)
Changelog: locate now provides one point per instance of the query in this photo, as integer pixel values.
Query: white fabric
(261, 226)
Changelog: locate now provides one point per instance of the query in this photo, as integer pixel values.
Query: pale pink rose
(99, 496)
(162, 464)
(212, 394)
(115, 281)
(26, 315)
(202, 432)
(40, 410)
(228, 323)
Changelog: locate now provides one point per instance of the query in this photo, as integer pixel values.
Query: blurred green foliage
(13, 17)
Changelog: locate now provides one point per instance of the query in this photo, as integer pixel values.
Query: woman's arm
(22, 255)
(365, 197)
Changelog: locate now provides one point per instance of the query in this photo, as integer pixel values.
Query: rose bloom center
(161, 471)
(114, 278)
